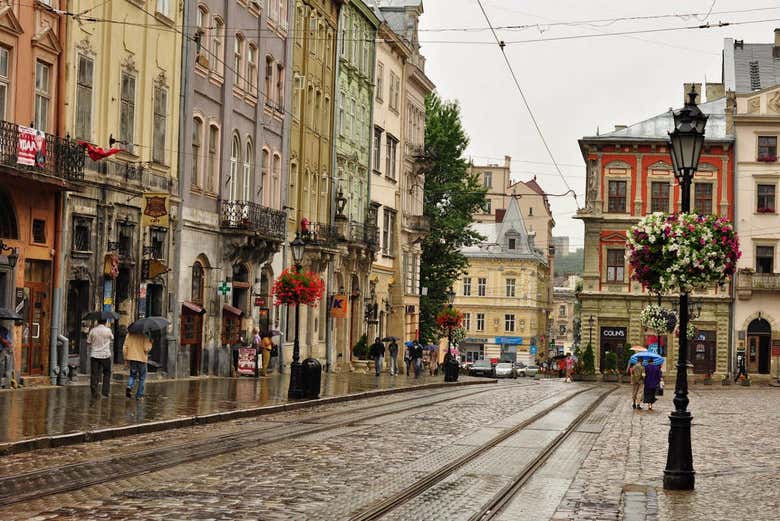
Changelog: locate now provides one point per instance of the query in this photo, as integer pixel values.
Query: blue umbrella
(409, 343)
(431, 347)
(647, 357)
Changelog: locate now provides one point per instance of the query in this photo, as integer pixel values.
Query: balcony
(130, 174)
(362, 233)
(748, 282)
(319, 234)
(246, 216)
(62, 164)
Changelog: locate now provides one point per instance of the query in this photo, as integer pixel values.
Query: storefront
(611, 339)
(472, 348)
(509, 347)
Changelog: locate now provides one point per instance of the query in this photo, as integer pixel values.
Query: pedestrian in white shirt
(99, 340)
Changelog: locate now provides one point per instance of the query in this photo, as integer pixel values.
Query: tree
(451, 196)
(589, 360)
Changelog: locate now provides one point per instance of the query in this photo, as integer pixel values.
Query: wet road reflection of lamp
(451, 365)
(686, 144)
(295, 390)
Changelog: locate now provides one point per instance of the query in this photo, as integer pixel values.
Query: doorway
(759, 339)
(78, 306)
(35, 312)
(192, 335)
(701, 352)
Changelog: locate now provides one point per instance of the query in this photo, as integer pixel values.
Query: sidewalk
(27, 414)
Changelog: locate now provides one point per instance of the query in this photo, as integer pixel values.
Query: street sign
(224, 288)
(532, 350)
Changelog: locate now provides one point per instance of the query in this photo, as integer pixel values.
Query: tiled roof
(749, 66)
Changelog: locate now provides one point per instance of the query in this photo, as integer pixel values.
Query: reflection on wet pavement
(30, 413)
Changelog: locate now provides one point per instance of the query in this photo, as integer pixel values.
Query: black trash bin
(451, 368)
(312, 374)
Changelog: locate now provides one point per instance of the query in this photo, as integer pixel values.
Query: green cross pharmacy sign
(224, 288)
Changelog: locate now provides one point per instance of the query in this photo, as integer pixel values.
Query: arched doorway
(759, 340)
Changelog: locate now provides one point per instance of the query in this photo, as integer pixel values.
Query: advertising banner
(32, 147)
(339, 307)
(246, 361)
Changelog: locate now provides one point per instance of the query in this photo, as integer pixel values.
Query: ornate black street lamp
(451, 365)
(296, 391)
(687, 142)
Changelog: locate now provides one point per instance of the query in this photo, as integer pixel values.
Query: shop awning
(232, 310)
(193, 307)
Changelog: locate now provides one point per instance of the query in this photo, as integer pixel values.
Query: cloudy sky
(575, 85)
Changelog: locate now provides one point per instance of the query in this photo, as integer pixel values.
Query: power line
(501, 46)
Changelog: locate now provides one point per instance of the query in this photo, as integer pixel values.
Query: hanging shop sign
(155, 212)
(32, 147)
(151, 268)
(224, 288)
(338, 308)
(111, 265)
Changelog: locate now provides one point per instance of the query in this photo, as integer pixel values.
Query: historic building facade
(355, 218)
(629, 175)
(122, 91)
(503, 293)
(233, 178)
(562, 320)
(37, 166)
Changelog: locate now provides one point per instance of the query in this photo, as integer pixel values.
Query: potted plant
(610, 367)
(298, 287)
(588, 364)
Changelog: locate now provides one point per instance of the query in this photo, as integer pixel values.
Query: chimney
(507, 161)
(620, 127)
(776, 48)
(714, 91)
(687, 89)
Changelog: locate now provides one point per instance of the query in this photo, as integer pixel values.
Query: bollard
(312, 373)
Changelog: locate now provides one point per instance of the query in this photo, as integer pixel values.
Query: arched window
(197, 283)
(249, 178)
(235, 160)
(238, 60)
(197, 138)
(218, 45)
(265, 166)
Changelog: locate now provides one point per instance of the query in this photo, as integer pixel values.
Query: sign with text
(613, 332)
(247, 357)
(338, 308)
(509, 340)
(32, 147)
(155, 212)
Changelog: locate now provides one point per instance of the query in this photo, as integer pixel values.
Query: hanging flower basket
(449, 318)
(294, 287)
(658, 318)
(682, 252)
(691, 331)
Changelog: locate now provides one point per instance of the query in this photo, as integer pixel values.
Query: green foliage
(361, 348)
(570, 263)
(610, 362)
(451, 196)
(588, 360)
(622, 357)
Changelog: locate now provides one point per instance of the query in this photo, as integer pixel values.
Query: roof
(658, 127)
(749, 66)
(397, 3)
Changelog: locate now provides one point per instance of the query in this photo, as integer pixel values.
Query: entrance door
(191, 334)
(759, 340)
(34, 335)
(78, 306)
(702, 352)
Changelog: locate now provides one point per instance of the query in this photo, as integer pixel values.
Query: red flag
(96, 153)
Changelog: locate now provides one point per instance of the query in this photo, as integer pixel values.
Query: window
(487, 179)
(481, 286)
(766, 198)
(562, 329)
(283, 13)
(212, 167)
(84, 98)
(42, 96)
(480, 321)
(235, 159)
(248, 177)
(466, 286)
(466, 321)
(313, 35)
(265, 166)
(512, 244)
(411, 267)
(157, 242)
(238, 57)
(127, 110)
(767, 148)
(352, 125)
(377, 149)
(659, 197)
(197, 136)
(82, 233)
(488, 208)
(615, 265)
(316, 120)
(197, 283)
(388, 233)
(510, 287)
(392, 149)
(164, 7)
(562, 311)
(126, 239)
(702, 202)
(276, 179)
(341, 115)
(395, 88)
(269, 80)
(251, 69)
(380, 81)
(218, 45)
(617, 196)
(160, 124)
(765, 256)
(531, 211)
(280, 87)
(4, 80)
(509, 323)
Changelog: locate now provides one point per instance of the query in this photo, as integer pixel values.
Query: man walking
(408, 357)
(378, 354)
(417, 354)
(99, 341)
(136, 353)
(393, 349)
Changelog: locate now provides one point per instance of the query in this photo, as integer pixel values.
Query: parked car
(504, 370)
(481, 368)
(529, 370)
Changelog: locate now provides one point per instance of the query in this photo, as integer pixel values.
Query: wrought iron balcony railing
(63, 159)
(130, 173)
(320, 234)
(364, 233)
(253, 217)
(748, 281)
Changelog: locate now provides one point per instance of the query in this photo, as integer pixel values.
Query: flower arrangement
(658, 318)
(691, 331)
(768, 158)
(449, 318)
(682, 252)
(294, 287)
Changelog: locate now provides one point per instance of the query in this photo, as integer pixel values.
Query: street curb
(60, 440)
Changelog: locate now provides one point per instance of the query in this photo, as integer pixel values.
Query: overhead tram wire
(501, 46)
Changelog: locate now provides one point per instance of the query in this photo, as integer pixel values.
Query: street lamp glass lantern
(687, 138)
(450, 296)
(297, 247)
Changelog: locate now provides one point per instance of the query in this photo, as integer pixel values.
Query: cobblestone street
(336, 461)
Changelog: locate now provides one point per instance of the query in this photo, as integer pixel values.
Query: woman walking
(637, 372)
(652, 381)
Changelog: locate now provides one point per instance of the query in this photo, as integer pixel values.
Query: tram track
(494, 506)
(69, 477)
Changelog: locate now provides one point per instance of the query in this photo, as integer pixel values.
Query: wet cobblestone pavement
(610, 467)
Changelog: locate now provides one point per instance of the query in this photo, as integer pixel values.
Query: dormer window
(512, 244)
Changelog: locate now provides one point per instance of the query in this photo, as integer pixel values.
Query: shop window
(82, 234)
(39, 231)
(765, 259)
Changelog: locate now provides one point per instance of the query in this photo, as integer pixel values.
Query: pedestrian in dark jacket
(377, 353)
(408, 359)
(652, 381)
(417, 355)
(393, 363)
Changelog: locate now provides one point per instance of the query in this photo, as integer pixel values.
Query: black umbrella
(9, 314)
(101, 315)
(148, 325)
(390, 339)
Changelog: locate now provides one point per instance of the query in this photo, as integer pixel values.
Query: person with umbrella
(408, 356)
(377, 353)
(99, 340)
(136, 353)
(417, 355)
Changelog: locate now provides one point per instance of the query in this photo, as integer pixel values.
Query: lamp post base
(679, 474)
(296, 391)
